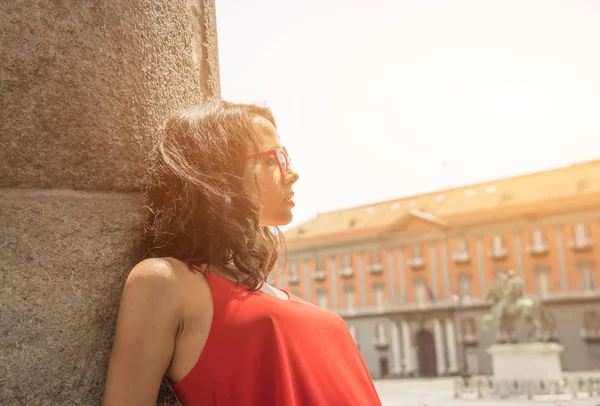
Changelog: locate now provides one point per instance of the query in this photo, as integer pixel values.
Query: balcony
(319, 275)
(376, 268)
(416, 263)
(590, 335)
(581, 244)
(537, 249)
(468, 340)
(381, 343)
(461, 257)
(294, 279)
(347, 272)
(498, 253)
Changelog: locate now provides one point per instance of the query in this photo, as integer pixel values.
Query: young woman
(198, 310)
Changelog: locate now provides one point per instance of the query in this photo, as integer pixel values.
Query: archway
(384, 367)
(427, 356)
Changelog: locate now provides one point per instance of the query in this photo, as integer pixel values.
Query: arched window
(469, 330)
(587, 277)
(322, 298)
(465, 285)
(591, 326)
(543, 284)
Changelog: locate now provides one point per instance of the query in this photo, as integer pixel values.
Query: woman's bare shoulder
(159, 269)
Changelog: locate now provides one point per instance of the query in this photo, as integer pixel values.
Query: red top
(263, 350)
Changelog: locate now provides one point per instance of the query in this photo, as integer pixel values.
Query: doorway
(426, 353)
(384, 367)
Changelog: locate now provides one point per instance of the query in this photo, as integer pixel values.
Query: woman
(198, 310)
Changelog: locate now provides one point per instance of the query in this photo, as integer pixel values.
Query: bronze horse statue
(510, 304)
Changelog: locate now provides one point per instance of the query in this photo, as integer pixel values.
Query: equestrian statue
(510, 304)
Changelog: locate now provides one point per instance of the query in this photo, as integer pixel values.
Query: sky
(383, 99)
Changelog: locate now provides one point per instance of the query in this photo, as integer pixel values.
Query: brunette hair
(204, 197)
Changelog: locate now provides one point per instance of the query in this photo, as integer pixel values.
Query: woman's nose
(291, 176)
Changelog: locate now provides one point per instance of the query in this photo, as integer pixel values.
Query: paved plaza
(439, 392)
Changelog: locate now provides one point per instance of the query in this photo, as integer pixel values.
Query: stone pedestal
(526, 361)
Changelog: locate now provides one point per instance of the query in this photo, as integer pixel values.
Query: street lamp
(457, 299)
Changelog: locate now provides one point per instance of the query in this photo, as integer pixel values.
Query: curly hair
(204, 197)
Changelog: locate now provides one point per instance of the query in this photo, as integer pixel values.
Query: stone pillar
(85, 86)
(407, 349)
(439, 346)
(451, 346)
(396, 351)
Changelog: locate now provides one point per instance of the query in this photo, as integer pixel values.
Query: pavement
(439, 392)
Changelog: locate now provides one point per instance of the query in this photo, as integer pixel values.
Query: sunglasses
(281, 157)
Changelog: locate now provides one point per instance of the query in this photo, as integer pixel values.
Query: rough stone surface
(65, 257)
(85, 84)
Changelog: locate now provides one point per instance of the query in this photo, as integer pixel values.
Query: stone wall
(84, 88)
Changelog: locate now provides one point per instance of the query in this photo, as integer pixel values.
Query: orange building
(409, 275)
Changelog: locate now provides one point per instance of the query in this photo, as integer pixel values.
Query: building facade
(409, 276)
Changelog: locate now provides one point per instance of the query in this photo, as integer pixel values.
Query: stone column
(439, 346)
(407, 350)
(85, 86)
(451, 346)
(396, 351)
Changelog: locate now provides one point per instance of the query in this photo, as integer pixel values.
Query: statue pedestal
(526, 361)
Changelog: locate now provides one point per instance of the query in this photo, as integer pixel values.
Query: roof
(439, 206)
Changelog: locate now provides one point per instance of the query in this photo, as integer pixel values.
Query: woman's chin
(281, 219)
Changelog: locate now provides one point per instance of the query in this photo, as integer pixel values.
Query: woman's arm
(147, 325)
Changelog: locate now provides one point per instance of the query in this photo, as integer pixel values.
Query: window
(469, 330)
(580, 231)
(537, 238)
(498, 250)
(349, 297)
(322, 298)
(320, 274)
(465, 285)
(497, 243)
(346, 261)
(380, 334)
(587, 280)
(320, 264)
(416, 261)
(591, 325)
(420, 290)
(581, 239)
(416, 251)
(375, 265)
(375, 257)
(461, 252)
(538, 244)
(384, 367)
(378, 294)
(542, 280)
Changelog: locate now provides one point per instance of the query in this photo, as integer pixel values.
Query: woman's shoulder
(169, 284)
(161, 278)
(160, 269)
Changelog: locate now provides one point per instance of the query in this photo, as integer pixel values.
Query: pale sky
(372, 98)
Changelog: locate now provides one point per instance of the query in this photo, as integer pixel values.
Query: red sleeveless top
(264, 351)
